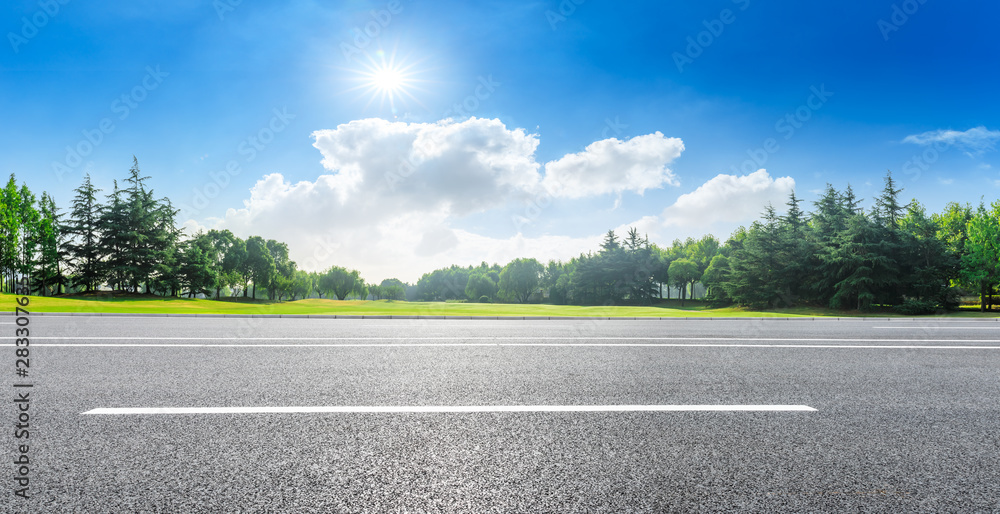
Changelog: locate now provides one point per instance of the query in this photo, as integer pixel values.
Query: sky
(396, 137)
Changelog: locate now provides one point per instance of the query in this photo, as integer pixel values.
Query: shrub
(914, 307)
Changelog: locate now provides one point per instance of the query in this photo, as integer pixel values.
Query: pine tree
(794, 252)
(860, 265)
(140, 237)
(49, 271)
(84, 246)
(10, 230)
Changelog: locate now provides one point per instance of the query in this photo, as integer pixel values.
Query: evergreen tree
(10, 230)
(84, 246)
(860, 264)
(794, 253)
(826, 224)
(116, 239)
(754, 278)
(51, 253)
(28, 220)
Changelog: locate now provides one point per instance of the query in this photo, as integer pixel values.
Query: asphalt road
(907, 416)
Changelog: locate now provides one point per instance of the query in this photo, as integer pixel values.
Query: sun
(388, 79)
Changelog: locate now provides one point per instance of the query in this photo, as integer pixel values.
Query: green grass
(668, 308)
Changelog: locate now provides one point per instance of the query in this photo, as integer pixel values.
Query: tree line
(129, 241)
(838, 255)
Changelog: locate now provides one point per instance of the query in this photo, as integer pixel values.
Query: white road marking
(919, 327)
(444, 409)
(502, 338)
(496, 345)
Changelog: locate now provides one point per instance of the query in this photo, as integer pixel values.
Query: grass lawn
(150, 304)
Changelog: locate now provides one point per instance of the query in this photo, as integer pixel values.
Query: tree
(197, 269)
(339, 282)
(827, 222)
(981, 262)
(393, 289)
(716, 274)
(520, 279)
(610, 242)
(28, 219)
(302, 285)
(10, 229)
(84, 244)
(49, 272)
(928, 263)
(683, 272)
(479, 286)
(226, 251)
(280, 281)
(260, 264)
(164, 247)
(114, 227)
(860, 264)
(754, 275)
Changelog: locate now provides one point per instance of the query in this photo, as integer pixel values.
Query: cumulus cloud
(463, 167)
(388, 205)
(728, 198)
(320, 232)
(975, 140)
(613, 166)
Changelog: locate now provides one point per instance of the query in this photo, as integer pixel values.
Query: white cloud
(728, 198)
(394, 189)
(977, 140)
(613, 166)
(463, 167)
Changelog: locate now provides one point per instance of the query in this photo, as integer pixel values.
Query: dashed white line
(437, 409)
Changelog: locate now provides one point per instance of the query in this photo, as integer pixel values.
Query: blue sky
(574, 117)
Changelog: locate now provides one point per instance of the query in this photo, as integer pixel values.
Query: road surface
(894, 415)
